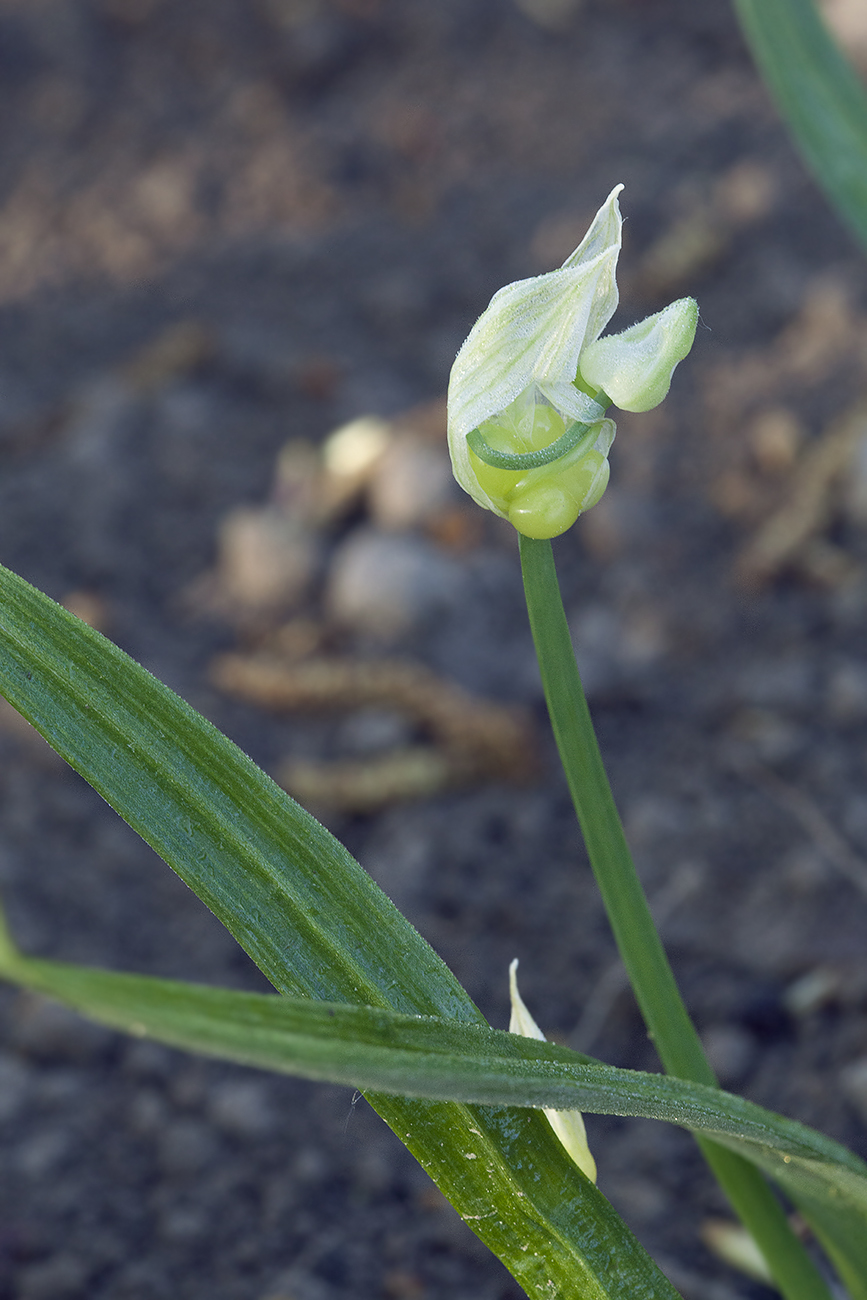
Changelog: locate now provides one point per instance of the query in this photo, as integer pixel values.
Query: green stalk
(650, 974)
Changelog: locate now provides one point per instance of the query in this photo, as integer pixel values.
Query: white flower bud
(635, 368)
(529, 387)
(528, 343)
(567, 1124)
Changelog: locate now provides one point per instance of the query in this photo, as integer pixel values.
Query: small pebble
(265, 560)
(765, 734)
(811, 991)
(387, 585)
(297, 1284)
(183, 1223)
(776, 436)
(778, 682)
(853, 1078)
(553, 15)
(241, 1107)
(373, 731)
(13, 1086)
(186, 1147)
(63, 1275)
(47, 1031)
(846, 694)
(855, 485)
(147, 1111)
(731, 1051)
(411, 484)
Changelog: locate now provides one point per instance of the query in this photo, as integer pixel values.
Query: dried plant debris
(707, 227)
(355, 786)
(470, 739)
(178, 350)
(359, 536)
(792, 534)
(801, 494)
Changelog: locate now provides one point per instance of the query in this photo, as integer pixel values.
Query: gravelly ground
(334, 190)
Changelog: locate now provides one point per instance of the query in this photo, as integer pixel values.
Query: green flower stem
(665, 1015)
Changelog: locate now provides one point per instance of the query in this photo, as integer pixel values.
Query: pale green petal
(605, 232)
(567, 1124)
(571, 402)
(635, 367)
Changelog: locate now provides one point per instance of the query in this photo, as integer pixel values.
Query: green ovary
(550, 499)
(540, 502)
(520, 428)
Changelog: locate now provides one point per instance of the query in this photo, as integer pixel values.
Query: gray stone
(853, 1077)
(241, 1107)
(13, 1086)
(411, 484)
(731, 1051)
(372, 731)
(186, 1147)
(61, 1277)
(266, 561)
(387, 584)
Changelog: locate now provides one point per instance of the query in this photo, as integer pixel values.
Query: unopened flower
(527, 433)
(567, 1124)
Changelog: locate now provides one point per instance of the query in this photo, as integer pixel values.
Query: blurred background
(240, 244)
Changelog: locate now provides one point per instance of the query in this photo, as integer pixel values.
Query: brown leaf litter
(470, 739)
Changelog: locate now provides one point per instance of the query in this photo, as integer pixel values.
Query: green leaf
(818, 95)
(441, 1059)
(318, 927)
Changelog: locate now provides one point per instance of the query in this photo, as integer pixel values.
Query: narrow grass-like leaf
(819, 97)
(317, 926)
(439, 1059)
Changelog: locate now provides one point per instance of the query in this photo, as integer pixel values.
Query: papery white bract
(567, 1124)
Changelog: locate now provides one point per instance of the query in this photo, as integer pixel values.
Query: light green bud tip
(635, 368)
(567, 1124)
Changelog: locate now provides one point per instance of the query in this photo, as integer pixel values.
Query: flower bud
(635, 368)
(567, 1124)
(529, 387)
(523, 352)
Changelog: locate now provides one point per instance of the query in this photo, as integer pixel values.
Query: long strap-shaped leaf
(434, 1058)
(317, 926)
(819, 96)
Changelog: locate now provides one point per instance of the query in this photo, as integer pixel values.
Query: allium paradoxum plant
(529, 389)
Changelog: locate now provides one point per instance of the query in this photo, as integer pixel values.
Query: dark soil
(334, 189)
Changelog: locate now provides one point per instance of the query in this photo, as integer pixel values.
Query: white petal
(605, 229)
(605, 232)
